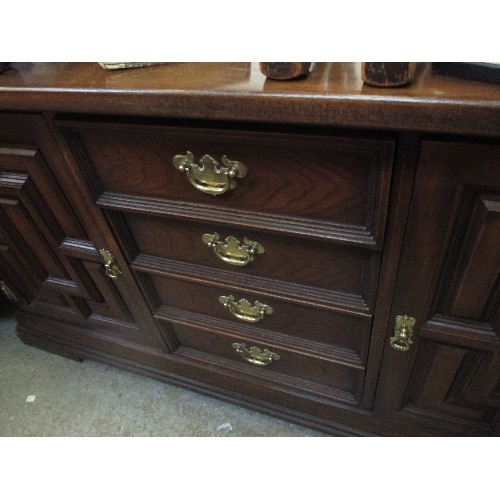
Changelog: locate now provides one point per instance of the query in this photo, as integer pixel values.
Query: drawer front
(314, 205)
(330, 333)
(338, 184)
(286, 367)
(341, 274)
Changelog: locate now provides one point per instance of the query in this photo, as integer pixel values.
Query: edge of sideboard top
(333, 94)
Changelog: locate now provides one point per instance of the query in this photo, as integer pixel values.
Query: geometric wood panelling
(447, 380)
(45, 252)
(449, 280)
(469, 288)
(455, 387)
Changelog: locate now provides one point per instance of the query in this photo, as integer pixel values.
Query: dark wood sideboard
(319, 250)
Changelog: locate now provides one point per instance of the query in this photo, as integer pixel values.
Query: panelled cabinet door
(446, 380)
(49, 263)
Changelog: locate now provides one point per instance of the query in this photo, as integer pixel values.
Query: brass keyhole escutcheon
(112, 270)
(403, 331)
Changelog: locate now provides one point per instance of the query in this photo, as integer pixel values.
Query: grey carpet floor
(42, 394)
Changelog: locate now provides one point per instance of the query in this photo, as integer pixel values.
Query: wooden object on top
(388, 74)
(284, 70)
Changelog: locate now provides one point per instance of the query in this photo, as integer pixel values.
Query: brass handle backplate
(254, 355)
(232, 251)
(244, 310)
(403, 331)
(7, 291)
(209, 176)
(112, 270)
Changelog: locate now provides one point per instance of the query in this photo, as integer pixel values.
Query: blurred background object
(284, 70)
(387, 74)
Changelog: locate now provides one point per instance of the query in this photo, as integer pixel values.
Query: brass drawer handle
(403, 331)
(232, 251)
(7, 291)
(112, 270)
(244, 310)
(209, 177)
(254, 355)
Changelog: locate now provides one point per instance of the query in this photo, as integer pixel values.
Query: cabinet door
(49, 259)
(448, 381)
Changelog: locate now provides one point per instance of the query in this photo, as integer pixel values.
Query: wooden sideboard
(319, 250)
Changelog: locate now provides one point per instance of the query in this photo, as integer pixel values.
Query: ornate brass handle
(7, 291)
(209, 177)
(232, 251)
(112, 270)
(254, 355)
(403, 331)
(244, 310)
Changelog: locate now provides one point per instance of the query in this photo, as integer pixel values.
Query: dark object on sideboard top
(387, 74)
(481, 71)
(4, 66)
(284, 70)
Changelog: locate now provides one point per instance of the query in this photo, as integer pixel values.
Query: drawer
(330, 333)
(350, 274)
(320, 184)
(284, 366)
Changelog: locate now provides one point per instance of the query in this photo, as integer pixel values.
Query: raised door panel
(449, 281)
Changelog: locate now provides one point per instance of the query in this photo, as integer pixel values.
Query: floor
(42, 394)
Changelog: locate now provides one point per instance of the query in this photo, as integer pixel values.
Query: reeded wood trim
(340, 356)
(299, 294)
(463, 332)
(275, 378)
(79, 249)
(341, 233)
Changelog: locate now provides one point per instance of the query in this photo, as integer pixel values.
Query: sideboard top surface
(333, 94)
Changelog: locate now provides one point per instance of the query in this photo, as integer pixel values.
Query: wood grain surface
(332, 94)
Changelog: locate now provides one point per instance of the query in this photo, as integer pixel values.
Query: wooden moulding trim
(439, 419)
(274, 380)
(325, 299)
(472, 334)
(62, 285)
(341, 233)
(401, 113)
(55, 331)
(337, 355)
(82, 249)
